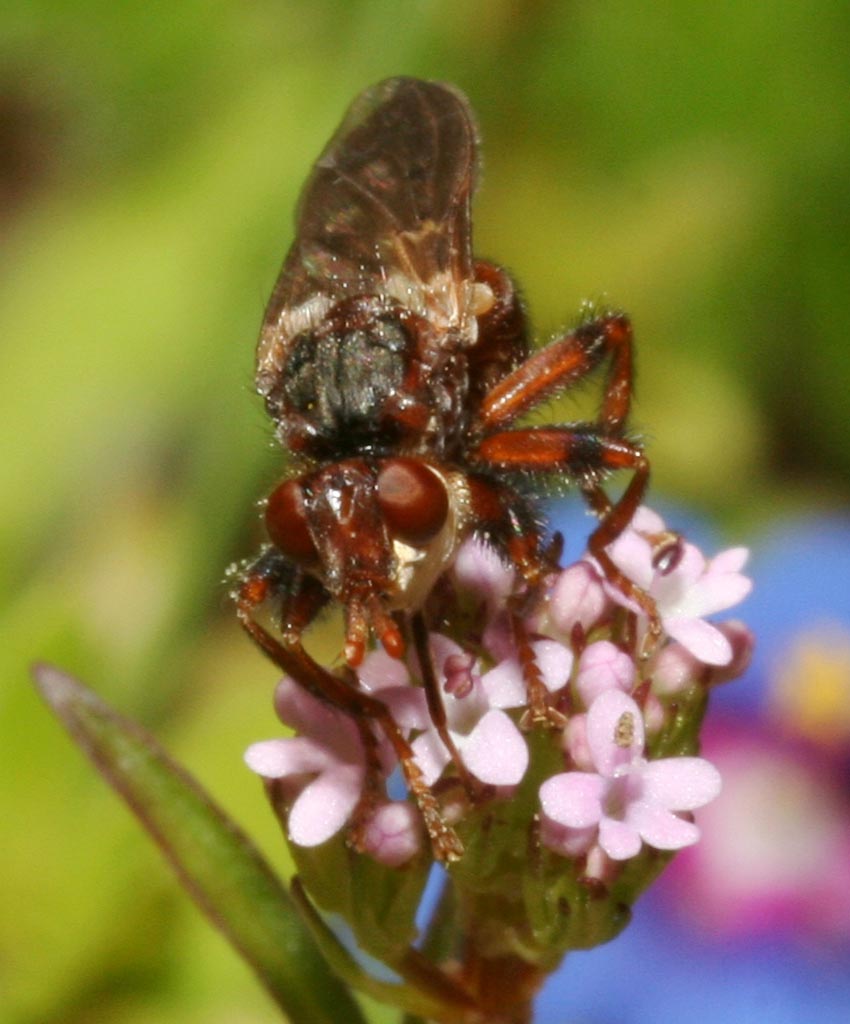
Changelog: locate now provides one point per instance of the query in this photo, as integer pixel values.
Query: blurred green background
(689, 161)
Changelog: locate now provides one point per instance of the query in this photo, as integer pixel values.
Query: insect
(395, 365)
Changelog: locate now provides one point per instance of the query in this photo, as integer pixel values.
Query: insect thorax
(359, 385)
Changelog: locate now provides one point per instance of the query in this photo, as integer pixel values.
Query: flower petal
(618, 839)
(325, 805)
(380, 671)
(615, 731)
(632, 554)
(477, 567)
(275, 759)
(431, 755)
(680, 783)
(660, 828)
(703, 640)
(408, 706)
(310, 717)
(716, 592)
(568, 842)
(495, 751)
(647, 521)
(730, 560)
(300, 709)
(504, 685)
(573, 798)
(555, 663)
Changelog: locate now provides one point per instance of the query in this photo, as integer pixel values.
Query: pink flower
(603, 666)
(776, 852)
(323, 770)
(324, 764)
(492, 747)
(576, 596)
(684, 594)
(627, 801)
(393, 834)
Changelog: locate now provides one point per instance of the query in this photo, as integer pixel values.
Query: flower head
(685, 591)
(324, 764)
(628, 800)
(487, 739)
(544, 761)
(322, 770)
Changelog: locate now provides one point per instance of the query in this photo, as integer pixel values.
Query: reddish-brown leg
(374, 790)
(291, 657)
(434, 698)
(540, 711)
(502, 342)
(562, 363)
(583, 454)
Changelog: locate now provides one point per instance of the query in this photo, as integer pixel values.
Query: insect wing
(385, 212)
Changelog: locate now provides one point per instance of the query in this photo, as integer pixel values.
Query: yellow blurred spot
(811, 693)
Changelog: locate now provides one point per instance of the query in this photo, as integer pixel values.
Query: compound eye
(413, 500)
(286, 522)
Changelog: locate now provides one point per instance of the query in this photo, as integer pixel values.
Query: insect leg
(290, 656)
(562, 363)
(374, 790)
(582, 453)
(436, 708)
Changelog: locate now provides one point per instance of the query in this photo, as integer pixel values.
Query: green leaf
(215, 861)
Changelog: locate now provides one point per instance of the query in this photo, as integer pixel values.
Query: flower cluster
(615, 771)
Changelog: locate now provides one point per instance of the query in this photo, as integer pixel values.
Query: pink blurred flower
(776, 852)
(478, 568)
(480, 571)
(627, 801)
